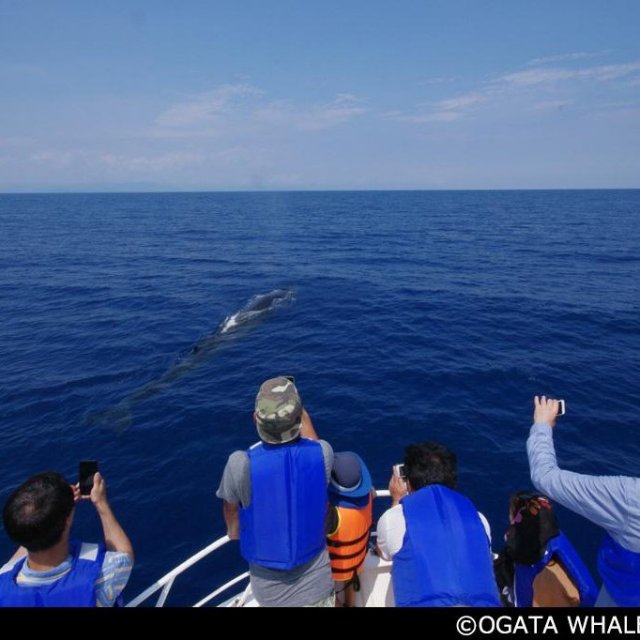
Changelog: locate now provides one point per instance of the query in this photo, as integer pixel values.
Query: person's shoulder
(325, 446)
(117, 560)
(237, 464)
(237, 460)
(391, 515)
(5, 568)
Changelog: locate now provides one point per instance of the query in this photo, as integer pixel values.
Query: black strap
(338, 556)
(351, 569)
(346, 543)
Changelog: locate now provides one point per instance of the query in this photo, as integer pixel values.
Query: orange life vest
(348, 543)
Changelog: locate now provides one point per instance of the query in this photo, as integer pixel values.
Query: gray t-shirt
(306, 584)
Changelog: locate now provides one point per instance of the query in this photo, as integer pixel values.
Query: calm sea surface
(418, 315)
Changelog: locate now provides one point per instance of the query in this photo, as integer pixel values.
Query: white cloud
(460, 102)
(611, 71)
(448, 110)
(566, 57)
(545, 89)
(284, 115)
(601, 73)
(241, 108)
(206, 107)
(344, 108)
(535, 76)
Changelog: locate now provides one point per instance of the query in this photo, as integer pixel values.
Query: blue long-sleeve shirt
(611, 502)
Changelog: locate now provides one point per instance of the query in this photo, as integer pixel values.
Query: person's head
(38, 512)
(278, 411)
(350, 477)
(430, 463)
(532, 524)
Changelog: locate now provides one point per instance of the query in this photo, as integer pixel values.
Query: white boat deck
(375, 581)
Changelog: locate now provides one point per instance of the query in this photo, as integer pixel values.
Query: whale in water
(256, 309)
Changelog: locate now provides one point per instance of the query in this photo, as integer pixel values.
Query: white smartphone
(562, 409)
(398, 470)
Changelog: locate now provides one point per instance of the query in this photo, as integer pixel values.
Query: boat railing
(165, 584)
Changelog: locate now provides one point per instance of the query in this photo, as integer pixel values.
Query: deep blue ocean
(418, 316)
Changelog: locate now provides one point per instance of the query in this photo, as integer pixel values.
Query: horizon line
(309, 190)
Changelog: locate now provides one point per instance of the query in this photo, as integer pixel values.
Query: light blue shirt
(114, 575)
(611, 502)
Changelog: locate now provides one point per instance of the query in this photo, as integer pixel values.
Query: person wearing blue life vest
(276, 502)
(539, 567)
(439, 543)
(51, 570)
(611, 502)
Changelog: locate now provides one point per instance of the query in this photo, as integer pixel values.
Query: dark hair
(36, 513)
(533, 524)
(430, 463)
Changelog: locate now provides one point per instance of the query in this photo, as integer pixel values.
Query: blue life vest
(445, 559)
(77, 588)
(620, 571)
(284, 525)
(563, 550)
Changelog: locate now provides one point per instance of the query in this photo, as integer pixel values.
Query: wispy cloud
(207, 107)
(566, 57)
(459, 102)
(544, 89)
(448, 110)
(601, 73)
(342, 109)
(245, 107)
(535, 76)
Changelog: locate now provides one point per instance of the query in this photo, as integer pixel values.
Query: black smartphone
(86, 470)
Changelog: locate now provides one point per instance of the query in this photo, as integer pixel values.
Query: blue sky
(283, 94)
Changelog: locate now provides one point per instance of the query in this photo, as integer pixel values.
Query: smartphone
(398, 470)
(562, 409)
(86, 470)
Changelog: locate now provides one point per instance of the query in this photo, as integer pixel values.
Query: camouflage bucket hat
(278, 411)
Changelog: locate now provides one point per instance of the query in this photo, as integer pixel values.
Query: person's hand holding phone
(86, 471)
(397, 488)
(545, 410)
(98, 493)
(91, 485)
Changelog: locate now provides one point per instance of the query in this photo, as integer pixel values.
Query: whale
(257, 308)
